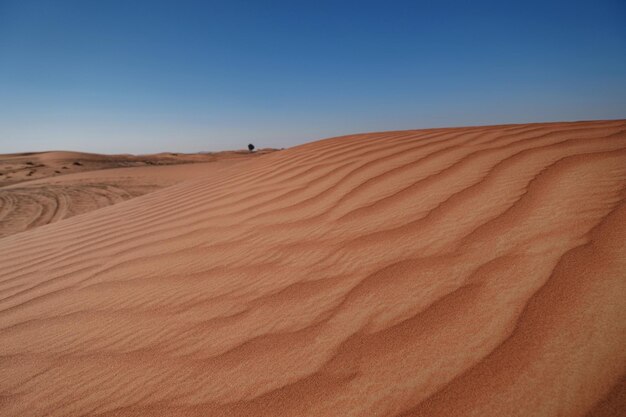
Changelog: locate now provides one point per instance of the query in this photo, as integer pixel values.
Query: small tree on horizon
(251, 147)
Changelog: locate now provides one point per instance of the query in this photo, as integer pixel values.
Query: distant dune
(446, 272)
(42, 188)
(20, 167)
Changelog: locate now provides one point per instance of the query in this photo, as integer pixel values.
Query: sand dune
(445, 272)
(72, 183)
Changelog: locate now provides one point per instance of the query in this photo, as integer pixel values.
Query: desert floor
(42, 188)
(445, 272)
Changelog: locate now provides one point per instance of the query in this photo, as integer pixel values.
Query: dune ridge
(441, 272)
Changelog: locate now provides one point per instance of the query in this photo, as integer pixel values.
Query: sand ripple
(468, 271)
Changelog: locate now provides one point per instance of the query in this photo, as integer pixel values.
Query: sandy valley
(42, 188)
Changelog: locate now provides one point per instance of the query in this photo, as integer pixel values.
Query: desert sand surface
(20, 167)
(42, 188)
(473, 271)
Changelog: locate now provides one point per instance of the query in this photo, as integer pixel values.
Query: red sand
(444, 272)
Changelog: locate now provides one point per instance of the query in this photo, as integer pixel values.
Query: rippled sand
(446, 272)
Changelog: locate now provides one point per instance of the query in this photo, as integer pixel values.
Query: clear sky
(147, 76)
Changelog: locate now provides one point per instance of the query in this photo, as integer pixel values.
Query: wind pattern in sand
(466, 271)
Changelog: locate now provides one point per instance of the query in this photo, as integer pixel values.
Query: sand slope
(445, 272)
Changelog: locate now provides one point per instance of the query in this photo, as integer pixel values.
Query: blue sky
(149, 76)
